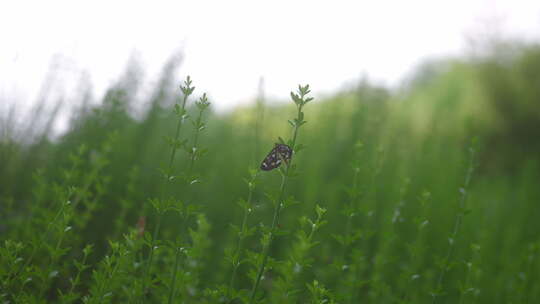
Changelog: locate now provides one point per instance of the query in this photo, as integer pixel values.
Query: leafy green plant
(162, 205)
(243, 232)
(319, 294)
(188, 210)
(389, 165)
(300, 99)
(294, 269)
(411, 276)
(445, 264)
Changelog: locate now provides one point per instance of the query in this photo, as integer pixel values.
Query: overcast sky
(229, 45)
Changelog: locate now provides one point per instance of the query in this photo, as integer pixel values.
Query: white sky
(229, 45)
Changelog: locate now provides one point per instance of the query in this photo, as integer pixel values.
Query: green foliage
(386, 200)
(280, 201)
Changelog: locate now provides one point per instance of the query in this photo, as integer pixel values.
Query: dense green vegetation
(427, 194)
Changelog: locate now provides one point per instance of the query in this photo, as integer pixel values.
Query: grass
(385, 200)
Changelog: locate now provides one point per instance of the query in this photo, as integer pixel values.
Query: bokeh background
(404, 92)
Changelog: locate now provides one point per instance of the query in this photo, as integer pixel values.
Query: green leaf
(320, 211)
(299, 148)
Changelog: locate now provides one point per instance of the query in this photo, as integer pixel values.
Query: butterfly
(273, 159)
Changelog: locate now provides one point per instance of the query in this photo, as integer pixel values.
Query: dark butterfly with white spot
(273, 159)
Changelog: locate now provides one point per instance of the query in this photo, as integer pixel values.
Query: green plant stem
(457, 223)
(41, 241)
(367, 196)
(176, 136)
(195, 142)
(151, 253)
(348, 227)
(112, 273)
(172, 290)
(178, 254)
(462, 293)
(242, 236)
(52, 262)
(266, 249)
(77, 279)
(160, 214)
(414, 256)
(277, 211)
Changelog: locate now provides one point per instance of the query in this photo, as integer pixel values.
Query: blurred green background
(408, 144)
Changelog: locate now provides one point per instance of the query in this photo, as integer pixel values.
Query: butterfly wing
(284, 151)
(273, 159)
